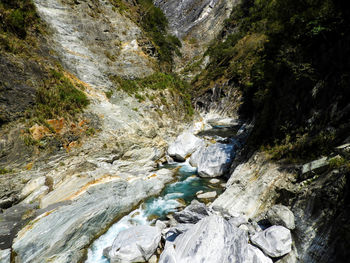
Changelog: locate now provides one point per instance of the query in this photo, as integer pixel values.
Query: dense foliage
(290, 58)
(58, 97)
(154, 23)
(17, 17)
(158, 81)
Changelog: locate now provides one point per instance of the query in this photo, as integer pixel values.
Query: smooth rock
(237, 221)
(36, 194)
(171, 233)
(185, 144)
(207, 195)
(212, 239)
(255, 255)
(281, 215)
(275, 241)
(5, 256)
(153, 259)
(73, 226)
(32, 186)
(214, 181)
(316, 166)
(213, 160)
(160, 224)
(136, 244)
(192, 213)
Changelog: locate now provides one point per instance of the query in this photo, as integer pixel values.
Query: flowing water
(173, 197)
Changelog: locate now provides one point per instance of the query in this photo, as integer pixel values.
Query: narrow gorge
(174, 131)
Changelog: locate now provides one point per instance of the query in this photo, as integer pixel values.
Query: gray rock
(207, 195)
(344, 150)
(212, 239)
(73, 227)
(281, 215)
(237, 221)
(171, 233)
(136, 244)
(256, 256)
(214, 181)
(213, 160)
(275, 241)
(5, 256)
(185, 144)
(316, 166)
(192, 213)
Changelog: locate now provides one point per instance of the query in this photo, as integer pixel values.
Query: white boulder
(275, 241)
(213, 160)
(213, 239)
(185, 144)
(136, 244)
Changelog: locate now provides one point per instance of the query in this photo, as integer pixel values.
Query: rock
(344, 150)
(160, 224)
(316, 166)
(38, 132)
(255, 255)
(224, 122)
(207, 195)
(185, 144)
(73, 226)
(32, 186)
(214, 181)
(199, 192)
(214, 160)
(5, 256)
(171, 233)
(291, 257)
(153, 259)
(237, 221)
(275, 241)
(192, 213)
(212, 239)
(136, 244)
(37, 194)
(281, 215)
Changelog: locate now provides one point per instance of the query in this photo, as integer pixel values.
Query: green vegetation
(289, 58)
(109, 94)
(18, 17)
(5, 171)
(154, 23)
(56, 98)
(158, 81)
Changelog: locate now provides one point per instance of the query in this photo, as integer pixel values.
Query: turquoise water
(174, 196)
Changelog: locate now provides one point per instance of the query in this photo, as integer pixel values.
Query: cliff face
(61, 164)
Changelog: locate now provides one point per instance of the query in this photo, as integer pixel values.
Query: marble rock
(281, 215)
(136, 244)
(213, 160)
(192, 213)
(213, 239)
(185, 144)
(275, 241)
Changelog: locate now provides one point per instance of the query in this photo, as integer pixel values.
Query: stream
(175, 195)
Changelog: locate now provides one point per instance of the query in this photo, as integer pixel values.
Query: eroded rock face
(281, 215)
(212, 239)
(63, 233)
(136, 244)
(185, 144)
(275, 241)
(213, 160)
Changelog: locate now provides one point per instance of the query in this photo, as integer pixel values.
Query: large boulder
(213, 160)
(281, 215)
(275, 241)
(213, 239)
(185, 144)
(192, 213)
(136, 244)
(256, 256)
